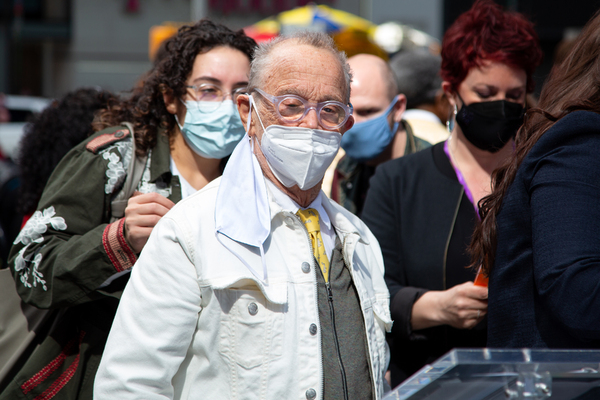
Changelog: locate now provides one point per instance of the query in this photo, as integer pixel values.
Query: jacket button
(119, 133)
(311, 394)
(289, 221)
(252, 308)
(305, 267)
(313, 329)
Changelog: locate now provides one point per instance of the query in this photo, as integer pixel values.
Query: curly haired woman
(72, 254)
(47, 138)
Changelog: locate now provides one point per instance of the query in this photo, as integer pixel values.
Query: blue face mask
(366, 140)
(212, 134)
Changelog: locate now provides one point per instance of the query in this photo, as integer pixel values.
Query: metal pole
(47, 68)
(4, 57)
(199, 9)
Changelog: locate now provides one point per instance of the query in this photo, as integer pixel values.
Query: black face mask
(489, 125)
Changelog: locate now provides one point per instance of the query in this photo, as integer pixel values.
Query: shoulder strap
(103, 140)
(134, 175)
(411, 146)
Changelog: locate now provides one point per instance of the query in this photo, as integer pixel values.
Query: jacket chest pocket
(251, 327)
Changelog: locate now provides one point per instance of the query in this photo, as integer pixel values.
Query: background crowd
(461, 176)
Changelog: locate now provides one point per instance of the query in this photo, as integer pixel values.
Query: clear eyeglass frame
(212, 96)
(318, 107)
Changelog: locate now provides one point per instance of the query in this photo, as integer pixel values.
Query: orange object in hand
(481, 279)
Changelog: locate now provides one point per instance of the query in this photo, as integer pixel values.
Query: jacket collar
(280, 202)
(344, 222)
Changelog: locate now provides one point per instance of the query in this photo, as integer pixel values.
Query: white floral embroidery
(146, 187)
(24, 270)
(116, 169)
(38, 224)
(32, 233)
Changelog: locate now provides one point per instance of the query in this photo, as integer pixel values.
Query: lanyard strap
(461, 179)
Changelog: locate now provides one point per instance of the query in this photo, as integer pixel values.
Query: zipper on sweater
(348, 265)
(335, 338)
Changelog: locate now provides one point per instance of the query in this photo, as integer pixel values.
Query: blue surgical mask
(212, 134)
(366, 140)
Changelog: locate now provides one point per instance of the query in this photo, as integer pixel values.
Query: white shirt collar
(287, 204)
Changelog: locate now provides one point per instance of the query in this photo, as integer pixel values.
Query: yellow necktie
(310, 218)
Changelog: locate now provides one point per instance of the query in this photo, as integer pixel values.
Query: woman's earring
(451, 121)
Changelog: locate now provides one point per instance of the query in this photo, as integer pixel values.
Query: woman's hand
(141, 215)
(462, 307)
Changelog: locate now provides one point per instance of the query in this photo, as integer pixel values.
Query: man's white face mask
(297, 156)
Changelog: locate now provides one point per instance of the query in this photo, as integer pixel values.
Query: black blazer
(423, 221)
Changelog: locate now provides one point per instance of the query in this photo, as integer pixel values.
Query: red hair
(487, 32)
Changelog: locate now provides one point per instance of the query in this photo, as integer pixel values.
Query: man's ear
(243, 106)
(399, 108)
(170, 101)
(347, 125)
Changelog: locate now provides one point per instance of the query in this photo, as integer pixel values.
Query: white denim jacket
(195, 323)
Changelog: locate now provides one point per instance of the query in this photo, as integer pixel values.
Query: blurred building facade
(48, 47)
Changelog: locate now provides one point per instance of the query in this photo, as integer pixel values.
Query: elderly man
(417, 72)
(259, 286)
(379, 134)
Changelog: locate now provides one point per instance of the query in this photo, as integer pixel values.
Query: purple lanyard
(461, 179)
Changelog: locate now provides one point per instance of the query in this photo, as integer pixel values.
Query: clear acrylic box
(494, 374)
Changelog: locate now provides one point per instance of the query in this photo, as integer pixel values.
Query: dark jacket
(68, 257)
(423, 221)
(543, 288)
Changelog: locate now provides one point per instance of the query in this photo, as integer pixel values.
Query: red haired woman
(540, 227)
(423, 208)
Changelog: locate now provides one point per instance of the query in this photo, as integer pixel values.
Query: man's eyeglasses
(291, 108)
(213, 95)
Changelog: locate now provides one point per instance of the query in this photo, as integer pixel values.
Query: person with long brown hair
(539, 236)
(75, 252)
(422, 207)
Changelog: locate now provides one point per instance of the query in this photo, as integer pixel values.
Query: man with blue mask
(259, 285)
(379, 133)
(417, 72)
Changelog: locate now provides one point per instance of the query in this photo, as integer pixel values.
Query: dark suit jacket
(544, 288)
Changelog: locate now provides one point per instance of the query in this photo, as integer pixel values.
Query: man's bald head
(265, 62)
(374, 70)
(373, 86)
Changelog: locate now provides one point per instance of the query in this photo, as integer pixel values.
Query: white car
(20, 108)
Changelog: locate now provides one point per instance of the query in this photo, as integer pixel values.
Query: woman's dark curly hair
(145, 109)
(50, 135)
